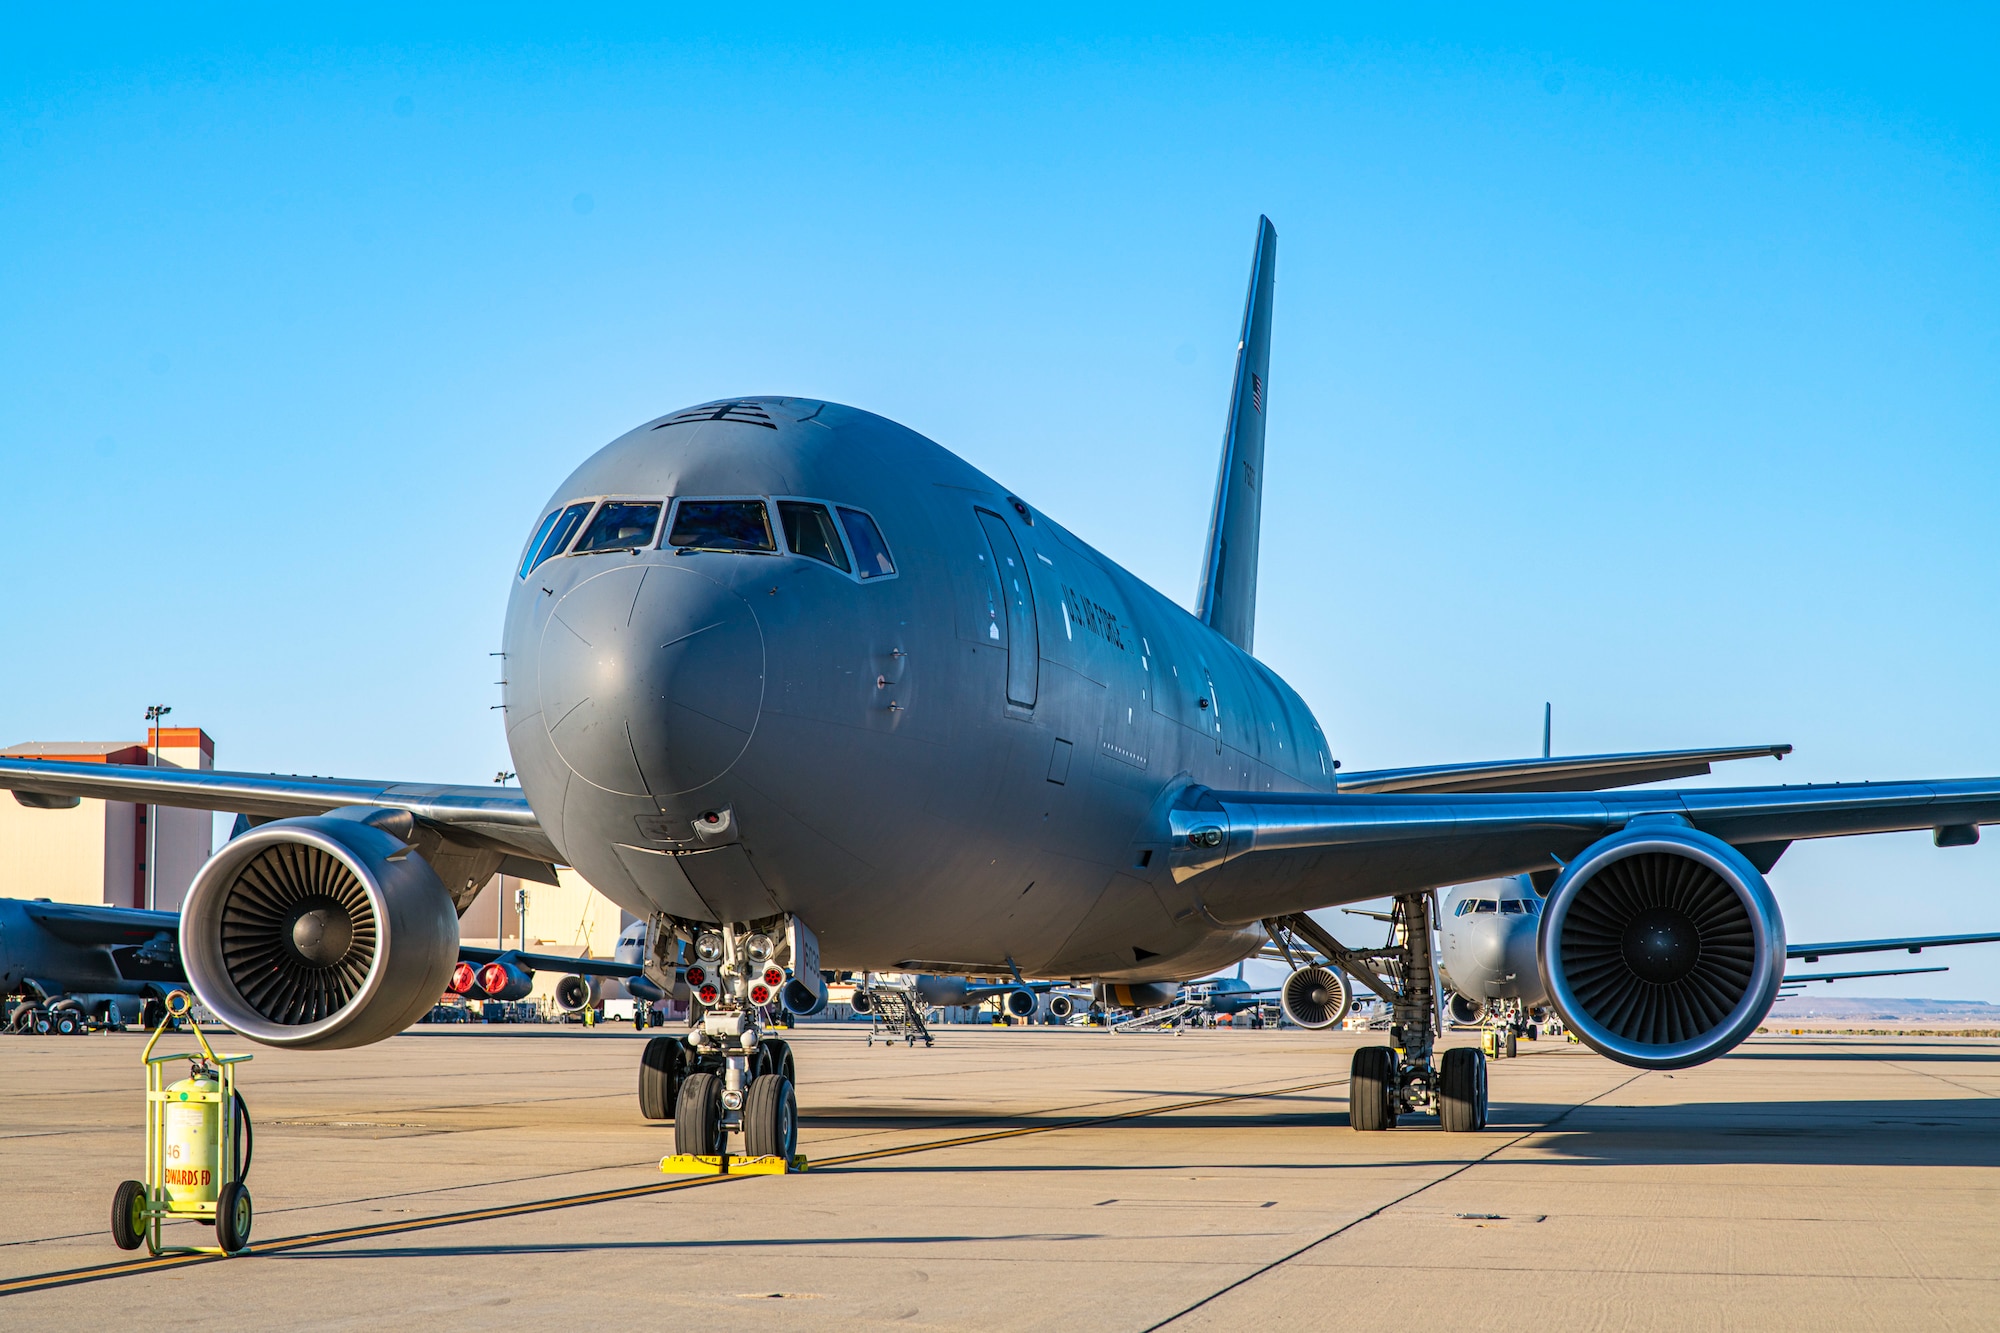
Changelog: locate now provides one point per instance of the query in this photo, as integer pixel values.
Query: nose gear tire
(1371, 1089)
(699, 1129)
(770, 1118)
(1462, 1090)
(662, 1066)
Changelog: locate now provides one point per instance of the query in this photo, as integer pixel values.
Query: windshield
(809, 532)
(722, 525)
(621, 525)
(871, 553)
(555, 532)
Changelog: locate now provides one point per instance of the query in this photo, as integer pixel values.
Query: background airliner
(804, 689)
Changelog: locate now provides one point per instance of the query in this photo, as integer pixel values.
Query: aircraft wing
(494, 818)
(1250, 855)
(1849, 976)
(1812, 953)
(552, 962)
(1588, 772)
(87, 924)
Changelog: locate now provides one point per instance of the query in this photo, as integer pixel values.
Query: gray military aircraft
(1490, 932)
(77, 966)
(801, 687)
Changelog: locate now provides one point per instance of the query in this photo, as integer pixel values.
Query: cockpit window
(722, 525)
(621, 525)
(1514, 906)
(1487, 905)
(809, 532)
(554, 535)
(871, 553)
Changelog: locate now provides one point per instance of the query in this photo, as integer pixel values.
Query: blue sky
(1645, 368)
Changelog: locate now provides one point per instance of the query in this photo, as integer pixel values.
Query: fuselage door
(1024, 648)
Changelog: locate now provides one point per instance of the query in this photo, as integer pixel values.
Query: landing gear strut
(1405, 1077)
(725, 1074)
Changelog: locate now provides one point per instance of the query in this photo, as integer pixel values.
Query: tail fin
(1227, 601)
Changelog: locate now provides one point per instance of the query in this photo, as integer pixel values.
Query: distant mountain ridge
(1856, 1007)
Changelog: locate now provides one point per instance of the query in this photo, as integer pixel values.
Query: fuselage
(951, 755)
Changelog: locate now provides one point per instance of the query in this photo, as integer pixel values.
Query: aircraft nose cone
(652, 679)
(1487, 945)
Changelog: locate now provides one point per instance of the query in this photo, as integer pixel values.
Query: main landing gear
(1408, 1076)
(725, 1074)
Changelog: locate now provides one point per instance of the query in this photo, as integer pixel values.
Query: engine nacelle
(574, 994)
(1661, 946)
(863, 1002)
(1021, 1003)
(1136, 994)
(1315, 996)
(1463, 1008)
(1061, 1007)
(943, 992)
(320, 933)
(801, 999)
(465, 981)
(502, 980)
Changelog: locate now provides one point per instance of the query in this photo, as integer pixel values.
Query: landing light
(708, 946)
(759, 948)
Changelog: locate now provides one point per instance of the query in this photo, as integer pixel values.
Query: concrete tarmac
(1040, 1178)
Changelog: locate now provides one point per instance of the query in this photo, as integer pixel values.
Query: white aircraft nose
(652, 678)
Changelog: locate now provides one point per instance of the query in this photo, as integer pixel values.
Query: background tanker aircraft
(803, 688)
(1489, 933)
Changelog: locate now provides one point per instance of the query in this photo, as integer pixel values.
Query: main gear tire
(771, 1118)
(699, 1129)
(1371, 1089)
(1462, 1090)
(662, 1067)
(781, 1059)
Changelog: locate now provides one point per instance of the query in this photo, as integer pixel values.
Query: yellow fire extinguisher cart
(198, 1143)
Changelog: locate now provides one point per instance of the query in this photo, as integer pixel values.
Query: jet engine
(1021, 1003)
(502, 980)
(1661, 946)
(943, 992)
(863, 1002)
(1314, 996)
(465, 981)
(1463, 1009)
(801, 999)
(574, 994)
(1061, 1007)
(320, 932)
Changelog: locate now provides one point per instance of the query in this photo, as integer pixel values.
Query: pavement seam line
(283, 1245)
(1377, 1211)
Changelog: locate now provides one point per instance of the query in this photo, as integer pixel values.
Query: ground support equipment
(1158, 1020)
(198, 1146)
(894, 1015)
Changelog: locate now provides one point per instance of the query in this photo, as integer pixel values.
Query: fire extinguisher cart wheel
(197, 1148)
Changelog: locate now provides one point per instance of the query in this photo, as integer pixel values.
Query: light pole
(154, 712)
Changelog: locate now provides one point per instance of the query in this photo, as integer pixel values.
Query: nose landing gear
(1407, 1076)
(726, 1075)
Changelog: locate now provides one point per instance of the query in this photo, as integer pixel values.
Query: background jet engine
(943, 992)
(320, 933)
(1021, 1003)
(502, 980)
(1315, 996)
(1463, 1009)
(1661, 946)
(1061, 1007)
(574, 994)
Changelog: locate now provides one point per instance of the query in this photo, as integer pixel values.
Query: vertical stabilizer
(1227, 599)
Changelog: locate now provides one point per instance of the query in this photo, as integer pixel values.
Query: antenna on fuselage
(1227, 598)
(1548, 715)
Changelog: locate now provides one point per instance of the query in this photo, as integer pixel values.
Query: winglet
(1227, 599)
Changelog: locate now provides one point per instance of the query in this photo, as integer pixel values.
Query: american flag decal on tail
(1256, 392)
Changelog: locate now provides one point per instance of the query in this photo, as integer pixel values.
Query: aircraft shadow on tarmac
(1944, 1131)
